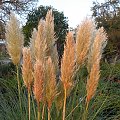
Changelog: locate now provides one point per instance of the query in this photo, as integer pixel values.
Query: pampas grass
(50, 84)
(50, 39)
(83, 40)
(14, 40)
(27, 73)
(94, 61)
(38, 84)
(40, 42)
(32, 45)
(94, 66)
(67, 67)
(40, 64)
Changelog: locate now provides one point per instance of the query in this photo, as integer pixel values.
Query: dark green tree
(107, 14)
(60, 25)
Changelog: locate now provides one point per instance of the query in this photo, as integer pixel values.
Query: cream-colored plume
(14, 39)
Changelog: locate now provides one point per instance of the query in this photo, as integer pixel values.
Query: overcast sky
(75, 10)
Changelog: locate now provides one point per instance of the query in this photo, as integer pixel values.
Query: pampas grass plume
(83, 40)
(68, 62)
(38, 81)
(27, 71)
(40, 42)
(50, 85)
(14, 39)
(50, 39)
(94, 63)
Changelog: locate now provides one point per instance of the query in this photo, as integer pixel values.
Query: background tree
(20, 7)
(107, 14)
(60, 25)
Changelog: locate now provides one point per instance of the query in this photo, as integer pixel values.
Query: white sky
(75, 10)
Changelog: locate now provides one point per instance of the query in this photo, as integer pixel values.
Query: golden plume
(94, 63)
(68, 62)
(27, 68)
(83, 40)
(38, 81)
(50, 40)
(50, 83)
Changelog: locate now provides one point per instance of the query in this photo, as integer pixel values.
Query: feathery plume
(94, 63)
(14, 39)
(50, 83)
(32, 44)
(27, 68)
(40, 42)
(68, 62)
(83, 40)
(67, 67)
(50, 39)
(27, 73)
(38, 81)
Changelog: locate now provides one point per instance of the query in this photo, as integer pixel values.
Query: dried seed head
(40, 42)
(14, 39)
(50, 39)
(97, 47)
(38, 81)
(32, 44)
(50, 83)
(27, 68)
(83, 40)
(68, 62)
(94, 63)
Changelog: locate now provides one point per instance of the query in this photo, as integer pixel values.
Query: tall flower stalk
(27, 72)
(67, 67)
(15, 40)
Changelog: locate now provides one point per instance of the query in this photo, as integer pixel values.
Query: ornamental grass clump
(14, 43)
(40, 63)
(27, 73)
(68, 67)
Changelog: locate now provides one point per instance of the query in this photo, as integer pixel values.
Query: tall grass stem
(33, 106)
(38, 111)
(19, 87)
(48, 113)
(29, 104)
(64, 105)
(43, 110)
